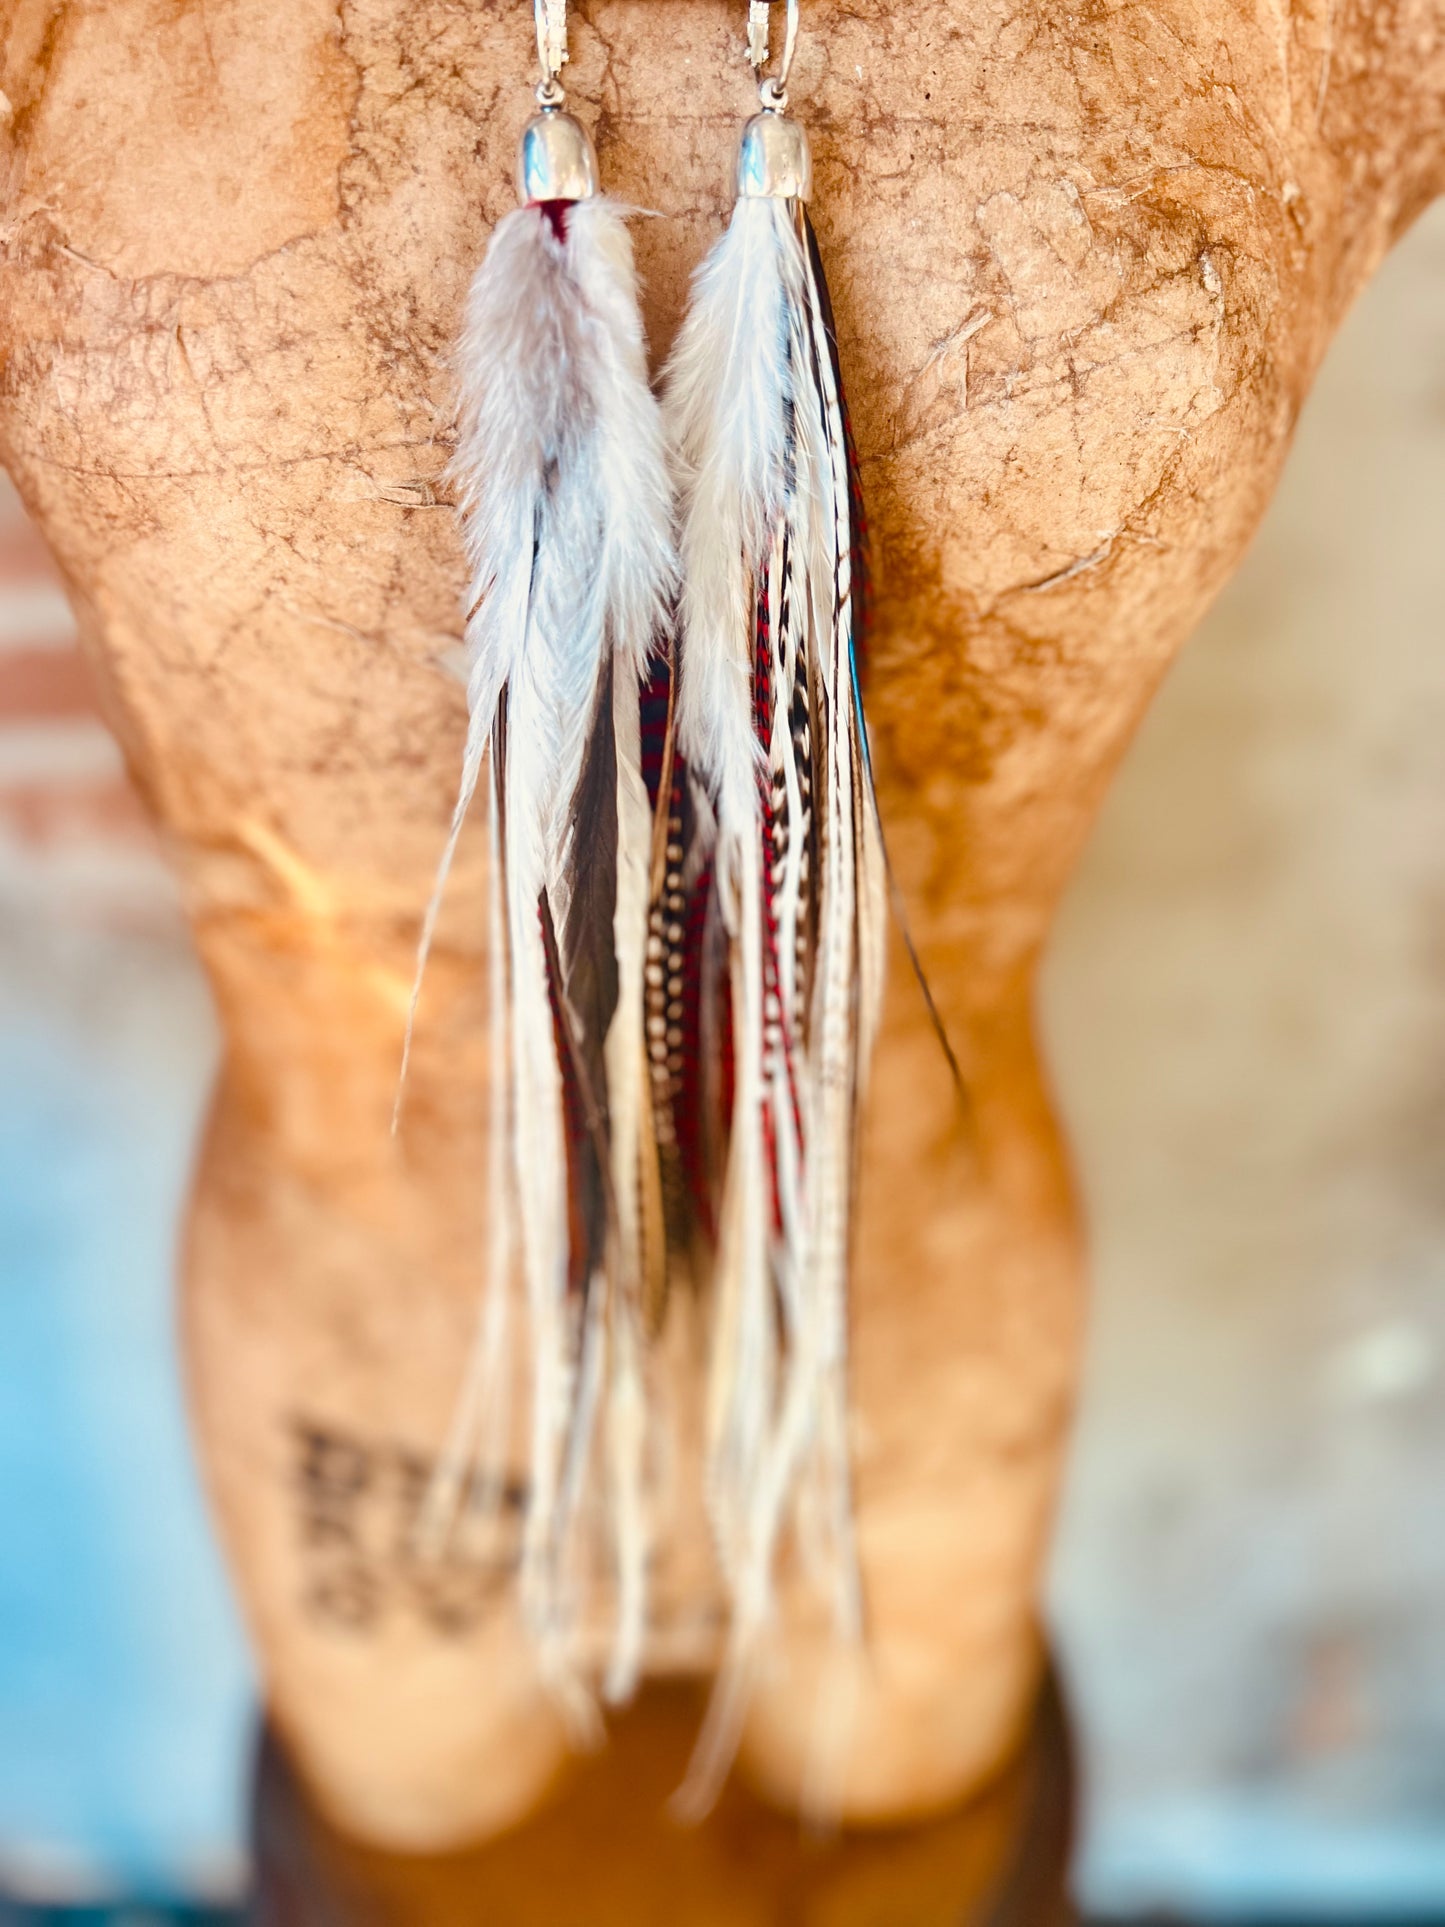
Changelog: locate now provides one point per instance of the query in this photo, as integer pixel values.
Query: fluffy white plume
(559, 468)
(727, 383)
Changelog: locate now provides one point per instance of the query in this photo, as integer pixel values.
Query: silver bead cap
(774, 160)
(556, 160)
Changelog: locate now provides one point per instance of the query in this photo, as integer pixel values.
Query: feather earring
(566, 508)
(791, 898)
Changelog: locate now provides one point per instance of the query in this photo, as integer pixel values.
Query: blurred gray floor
(1245, 1006)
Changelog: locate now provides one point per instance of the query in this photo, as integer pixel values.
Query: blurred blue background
(124, 1687)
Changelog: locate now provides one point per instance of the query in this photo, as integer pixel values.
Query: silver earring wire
(772, 89)
(551, 18)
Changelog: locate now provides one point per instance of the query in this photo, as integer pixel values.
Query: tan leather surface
(1085, 261)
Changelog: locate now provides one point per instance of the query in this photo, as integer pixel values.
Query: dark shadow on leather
(604, 1853)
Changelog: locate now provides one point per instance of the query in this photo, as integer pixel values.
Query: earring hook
(551, 19)
(772, 90)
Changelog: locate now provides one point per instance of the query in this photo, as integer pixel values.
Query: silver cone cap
(774, 160)
(556, 160)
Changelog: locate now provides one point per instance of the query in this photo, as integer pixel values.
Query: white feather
(560, 450)
(626, 1059)
(725, 386)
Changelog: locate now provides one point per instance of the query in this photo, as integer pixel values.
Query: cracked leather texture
(1085, 261)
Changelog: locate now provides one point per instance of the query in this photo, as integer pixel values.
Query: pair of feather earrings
(687, 901)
